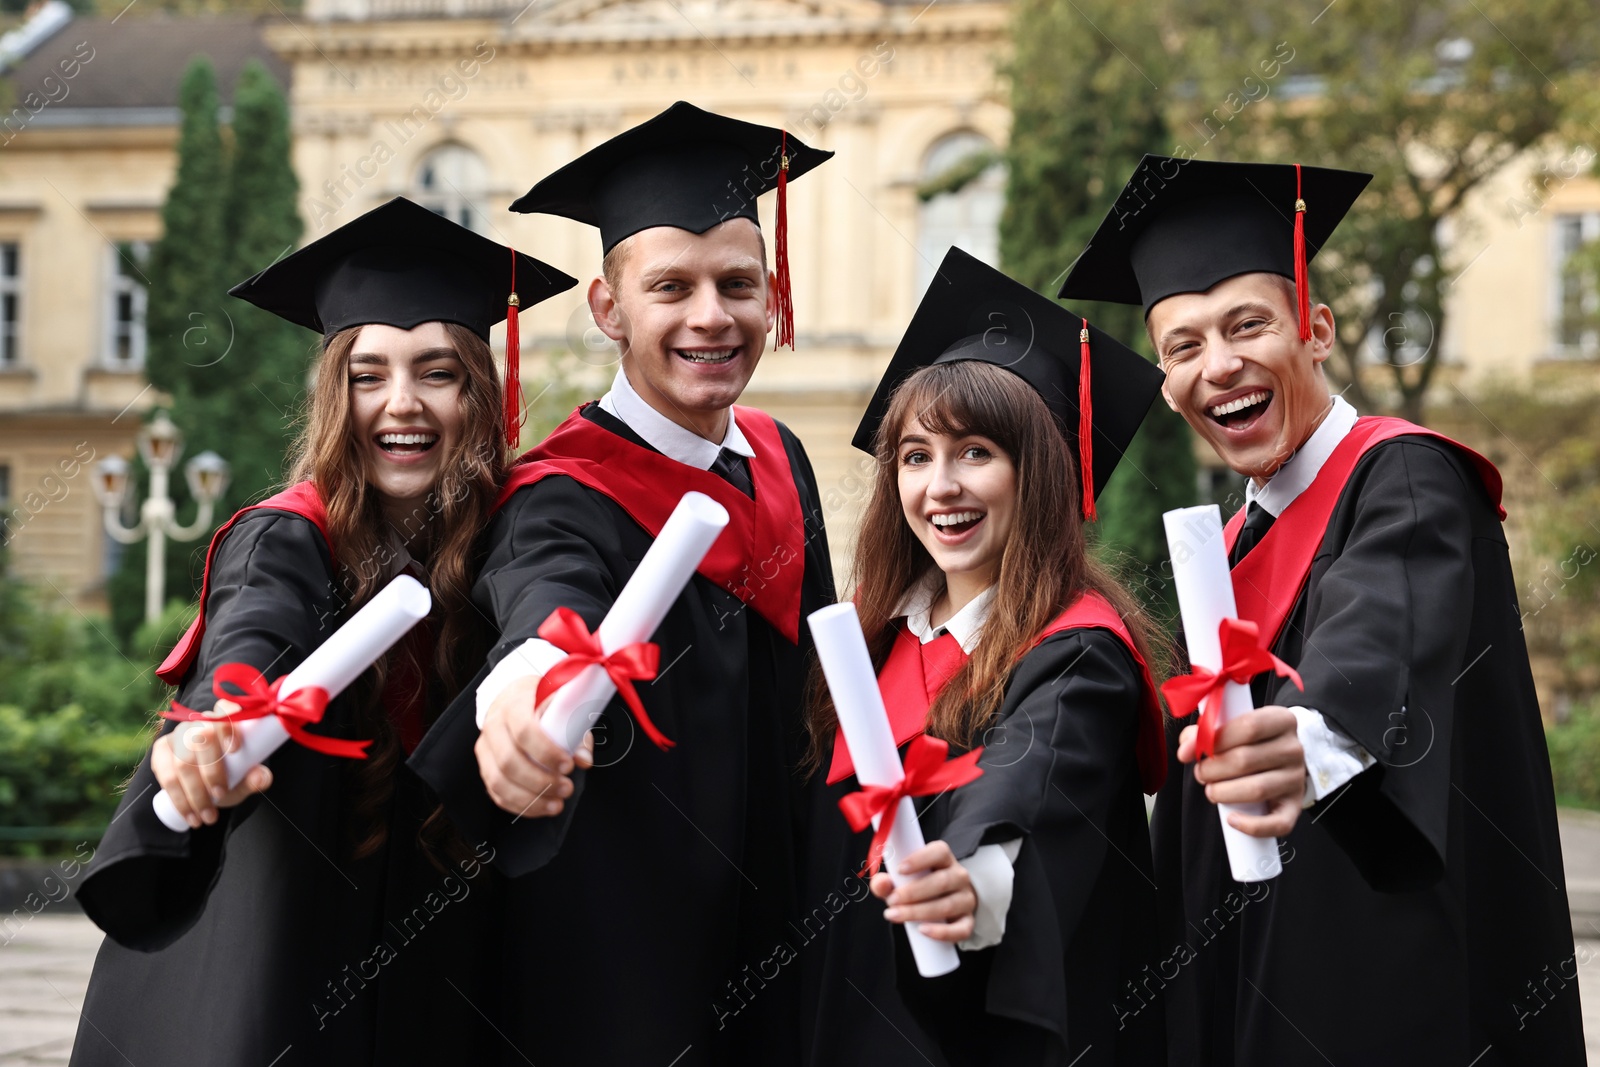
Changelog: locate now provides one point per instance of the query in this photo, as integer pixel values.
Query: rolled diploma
(644, 601)
(848, 668)
(1205, 598)
(340, 659)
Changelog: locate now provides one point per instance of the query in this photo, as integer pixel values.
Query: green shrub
(1575, 757)
(63, 768)
(78, 715)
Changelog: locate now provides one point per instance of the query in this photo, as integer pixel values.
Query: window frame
(118, 284)
(1588, 344)
(12, 286)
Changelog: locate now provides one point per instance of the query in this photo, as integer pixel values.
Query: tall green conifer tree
(184, 321)
(260, 385)
(236, 375)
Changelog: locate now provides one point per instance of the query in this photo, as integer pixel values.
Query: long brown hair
(442, 529)
(1044, 566)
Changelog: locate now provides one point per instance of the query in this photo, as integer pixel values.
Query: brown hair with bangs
(442, 530)
(1044, 567)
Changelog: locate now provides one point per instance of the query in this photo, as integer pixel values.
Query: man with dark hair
(1422, 907)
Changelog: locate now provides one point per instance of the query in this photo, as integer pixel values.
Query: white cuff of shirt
(531, 659)
(991, 869)
(1332, 759)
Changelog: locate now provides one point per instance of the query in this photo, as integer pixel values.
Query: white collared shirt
(991, 867)
(666, 436)
(535, 656)
(1302, 468)
(1332, 759)
(966, 625)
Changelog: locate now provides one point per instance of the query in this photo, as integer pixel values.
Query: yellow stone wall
(372, 95)
(65, 196)
(877, 84)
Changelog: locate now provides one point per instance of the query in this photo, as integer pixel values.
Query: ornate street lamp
(160, 445)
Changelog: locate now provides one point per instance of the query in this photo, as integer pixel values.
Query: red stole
(1268, 581)
(760, 558)
(405, 693)
(915, 673)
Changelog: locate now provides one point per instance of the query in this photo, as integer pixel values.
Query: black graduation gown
(1421, 916)
(670, 877)
(1059, 772)
(258, 939)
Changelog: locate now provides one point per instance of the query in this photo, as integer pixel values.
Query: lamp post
(160, 444)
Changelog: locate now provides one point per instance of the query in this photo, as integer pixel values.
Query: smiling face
(405, 409)
(691, 313)
(958, 493)
(1238, 372)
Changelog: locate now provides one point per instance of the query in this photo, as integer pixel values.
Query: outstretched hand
(942, 901)
(188, 764)
(1258, 759)
(525, 771)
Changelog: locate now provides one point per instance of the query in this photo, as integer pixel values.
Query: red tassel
(1302, 288)
(783, 299)
(513, 405)
(1085, 426)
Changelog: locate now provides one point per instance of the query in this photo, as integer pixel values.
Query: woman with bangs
(323, 911)
(992, 626)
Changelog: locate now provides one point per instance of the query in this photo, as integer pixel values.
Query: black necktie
(1257, 521)
(731, 468)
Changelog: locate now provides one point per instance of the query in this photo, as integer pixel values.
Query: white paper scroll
(340, 659)
(683, 542)
(1205, 598)
(847, 665)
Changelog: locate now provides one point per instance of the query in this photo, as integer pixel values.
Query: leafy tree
(1085, 108)
(1434, 98)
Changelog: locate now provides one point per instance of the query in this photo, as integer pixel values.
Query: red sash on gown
(1268, 581)
(760, 558)
(915, 673)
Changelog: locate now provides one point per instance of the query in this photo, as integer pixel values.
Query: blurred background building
(462, 104)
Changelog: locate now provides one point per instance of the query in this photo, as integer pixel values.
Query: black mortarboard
(402, 265)
(687, 168)
(972, 311)
(1182, 226)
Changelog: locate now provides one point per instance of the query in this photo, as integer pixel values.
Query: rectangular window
(1577, 308)
(10, 302)
(127, 297)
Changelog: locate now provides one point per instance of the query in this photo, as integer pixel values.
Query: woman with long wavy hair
(323, 911)
(992, 626)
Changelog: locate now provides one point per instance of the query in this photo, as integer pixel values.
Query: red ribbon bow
(257, 700)
(1243, 657)
(566, 630)
(927, 772)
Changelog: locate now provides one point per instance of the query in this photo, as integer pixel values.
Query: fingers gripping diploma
(1258, 759)
(939, 898)
(187, 763)
(525, 771)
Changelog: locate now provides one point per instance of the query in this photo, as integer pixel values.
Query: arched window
(967, 217)
(452, 181)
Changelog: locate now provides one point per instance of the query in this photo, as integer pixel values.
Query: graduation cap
(687, 168)
(1182, 226)
(402, 265)
(973, 312)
